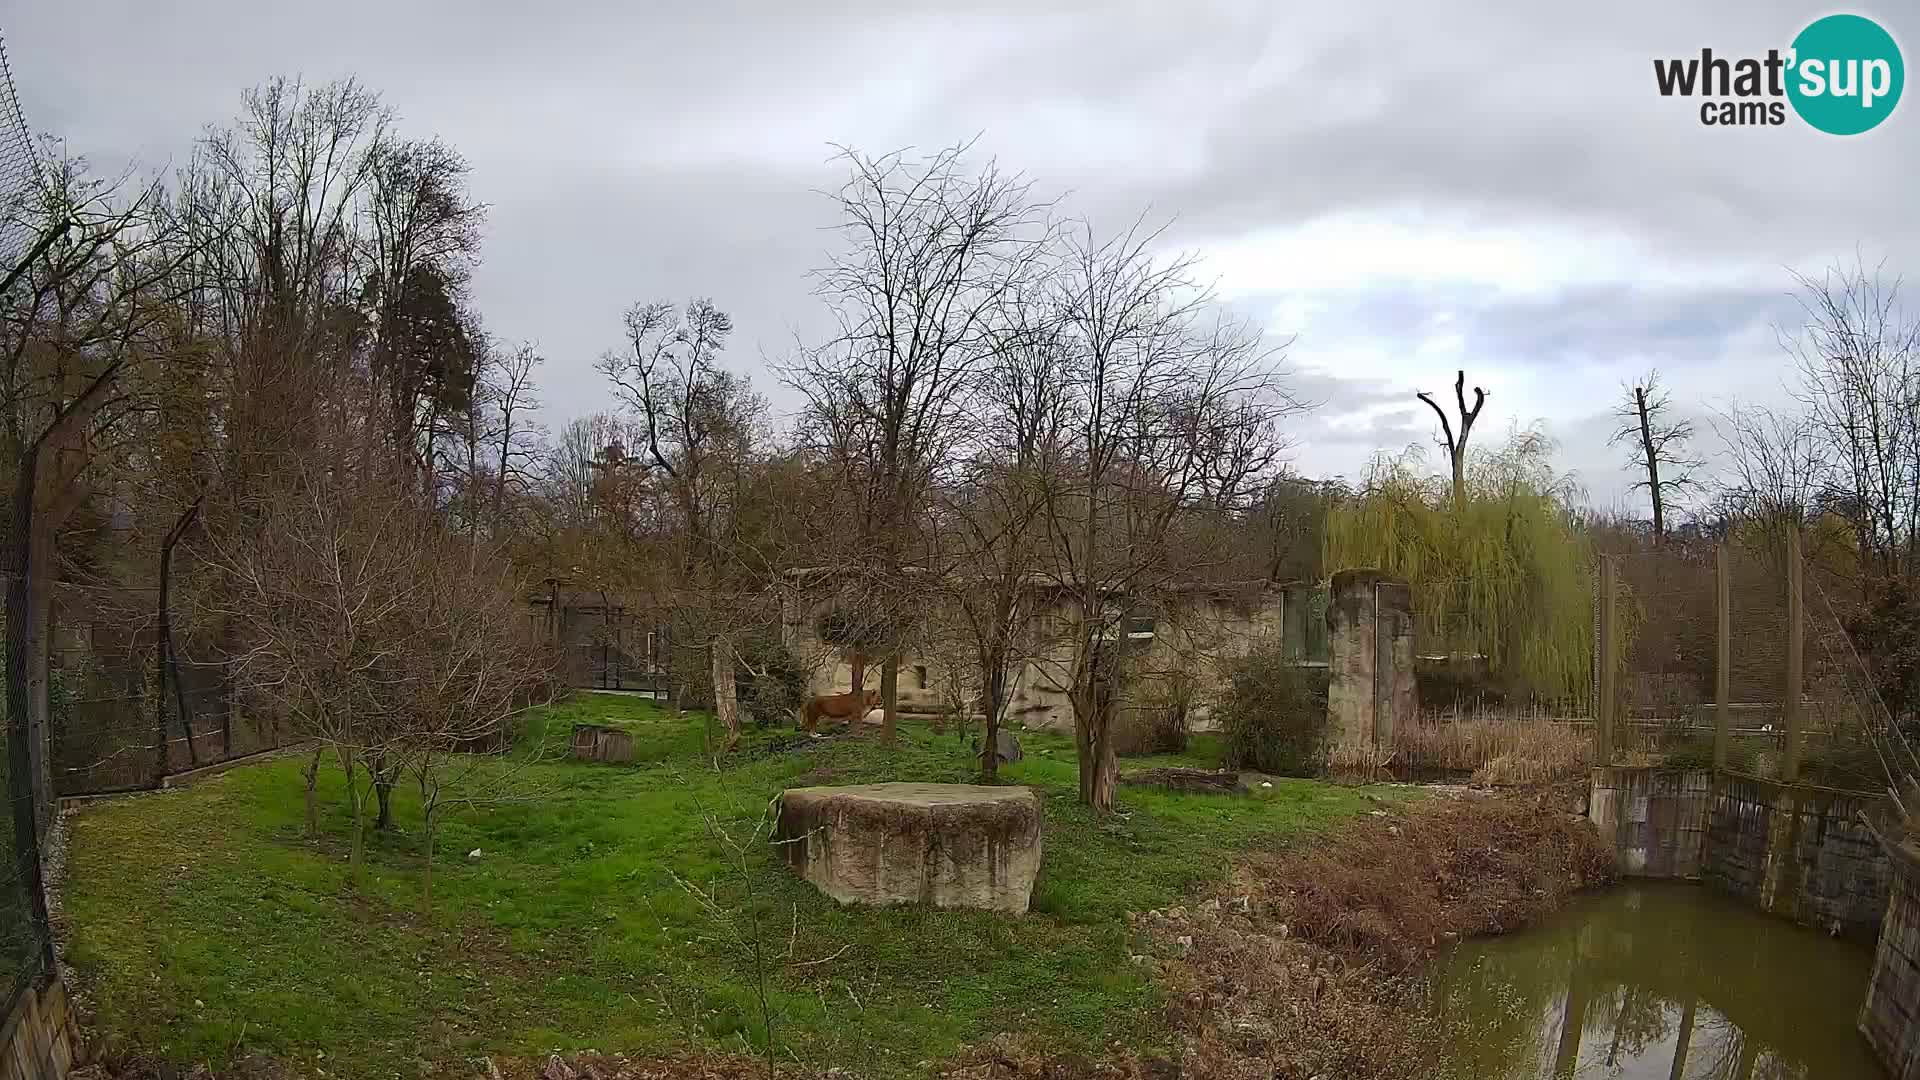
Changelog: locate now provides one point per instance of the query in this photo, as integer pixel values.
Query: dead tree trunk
(1652, 454)
(1456, 447)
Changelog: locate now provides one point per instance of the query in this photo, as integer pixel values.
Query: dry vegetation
(1490, 749)
(1307, 963)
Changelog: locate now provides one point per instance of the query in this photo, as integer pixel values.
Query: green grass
(207, 926)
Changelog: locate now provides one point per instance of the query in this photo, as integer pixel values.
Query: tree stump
(945, 845)
(592, 742)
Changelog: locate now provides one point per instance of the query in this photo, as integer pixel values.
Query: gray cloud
(1408, 188)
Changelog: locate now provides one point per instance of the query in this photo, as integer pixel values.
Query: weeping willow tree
(1506, 574)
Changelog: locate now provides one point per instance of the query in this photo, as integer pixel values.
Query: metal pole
(1723, 664)
(1796, 635)
(1603, 720)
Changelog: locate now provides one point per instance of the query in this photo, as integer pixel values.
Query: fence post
(1796, 635)
(1603, 714)
(1723, 662)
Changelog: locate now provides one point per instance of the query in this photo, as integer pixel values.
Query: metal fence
(26, 939)
(109, 736)
(1733, 655)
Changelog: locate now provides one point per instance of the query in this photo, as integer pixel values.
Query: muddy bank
(1306, 963)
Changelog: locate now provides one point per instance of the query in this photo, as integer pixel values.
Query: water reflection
(1658, 981)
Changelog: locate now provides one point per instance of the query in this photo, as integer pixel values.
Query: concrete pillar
(1370, 688)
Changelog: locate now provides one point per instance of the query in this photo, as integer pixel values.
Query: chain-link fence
(1739, 634)
(116, 721)
(26, 941)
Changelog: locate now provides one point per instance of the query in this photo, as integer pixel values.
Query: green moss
(207, 926)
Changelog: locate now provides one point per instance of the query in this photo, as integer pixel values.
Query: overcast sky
(1402, 189)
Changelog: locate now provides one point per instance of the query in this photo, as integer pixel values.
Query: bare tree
(379, 632)
(702, 431)
(933, 249)
(990, 519)
(1171, 414)
(1858, 357)
(84, 317)
(1660, 447)
(1456, 445)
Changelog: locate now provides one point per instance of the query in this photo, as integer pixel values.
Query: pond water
(1662, 981)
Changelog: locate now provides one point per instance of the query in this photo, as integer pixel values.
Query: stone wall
(1887, 1017)
(37, 1041)
(1656, 818)
(1370, 686)
(1799, 851)
(1793, 850)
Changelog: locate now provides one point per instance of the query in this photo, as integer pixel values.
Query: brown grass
(1493, 750)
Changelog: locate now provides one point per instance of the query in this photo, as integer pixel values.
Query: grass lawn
(205, 926)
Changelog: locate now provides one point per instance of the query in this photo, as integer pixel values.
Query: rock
(1210, 907)
(1006, 747)
(474, 854)
(948, 845)
(1185, 941)
(1185, 780)
(1241, 905)
(557, 1069)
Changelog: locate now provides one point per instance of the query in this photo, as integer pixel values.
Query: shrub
(1273, 715)
(1157, 721)
(770, 682)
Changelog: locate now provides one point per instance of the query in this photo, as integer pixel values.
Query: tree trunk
(23, 764)
(726, 705)
(383, 778)
(163, 647)
(429, 818)
(993, 678)
(889, 698)
(312, 775)
(1093, 734)
(1653, 466)
(357, 802)
(857, 667)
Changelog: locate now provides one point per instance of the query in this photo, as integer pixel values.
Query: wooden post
(1723, 664)
(1796, 636)
(1603, 713)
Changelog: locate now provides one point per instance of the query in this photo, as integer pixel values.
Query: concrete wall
(1888, 1017)
(1656, 818)
(1194, 633)
(1793, 850)
(38, 1039)
(1798, 851)
(1370, 662)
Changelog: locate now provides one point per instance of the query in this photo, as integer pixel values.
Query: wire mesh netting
(1667, 657)
(25, 937)
(112, 725)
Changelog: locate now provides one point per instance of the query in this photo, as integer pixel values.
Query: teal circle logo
(1845, 74)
